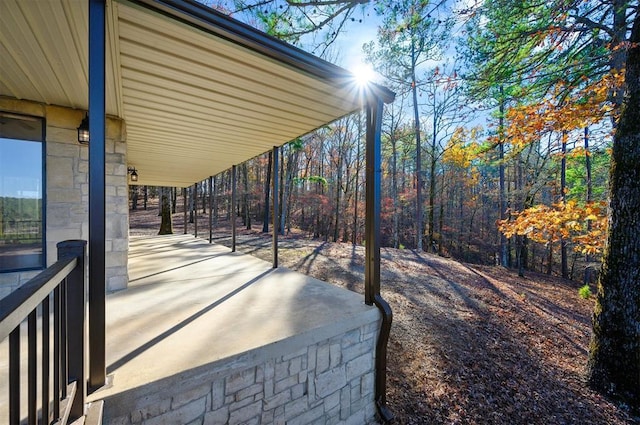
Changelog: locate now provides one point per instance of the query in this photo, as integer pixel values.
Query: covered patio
(179, 92)
(198, 319)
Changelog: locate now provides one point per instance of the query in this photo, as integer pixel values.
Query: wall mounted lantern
(133, 172)
(83, 131)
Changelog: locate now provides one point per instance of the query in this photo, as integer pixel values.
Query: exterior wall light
(133, 172)
(83, 131)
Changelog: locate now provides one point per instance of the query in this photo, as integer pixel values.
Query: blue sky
(20, 168)
(347, 50)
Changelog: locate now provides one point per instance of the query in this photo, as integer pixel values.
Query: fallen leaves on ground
(469, 344)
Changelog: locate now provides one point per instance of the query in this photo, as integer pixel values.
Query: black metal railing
(51, 307)
(21, 231)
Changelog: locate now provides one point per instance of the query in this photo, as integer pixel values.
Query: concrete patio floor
(196, 308)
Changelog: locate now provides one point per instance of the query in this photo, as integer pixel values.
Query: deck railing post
(234, 184)
(276, 205)
(76, 321)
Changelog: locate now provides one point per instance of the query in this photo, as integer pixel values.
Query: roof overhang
(199, 91)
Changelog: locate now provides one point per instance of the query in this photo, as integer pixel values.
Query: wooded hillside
(509, 118)
(322, 194)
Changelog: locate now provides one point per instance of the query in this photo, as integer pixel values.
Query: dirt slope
(469, 344)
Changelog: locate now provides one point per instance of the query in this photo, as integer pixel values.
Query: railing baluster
(46, 358)
(56, 352)
(14, 376)
(46, 388)
(32, 374)
(64, 375)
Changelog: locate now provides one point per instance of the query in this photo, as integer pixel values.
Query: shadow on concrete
(149, 344)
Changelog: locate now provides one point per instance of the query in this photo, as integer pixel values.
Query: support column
(372, 202)
(233, 207)
(372, 251)
(210, 209)
(276, 206)
(97, 156)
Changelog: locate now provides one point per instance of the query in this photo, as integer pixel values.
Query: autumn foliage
(581, 223)
(561, 111)
(584, 225)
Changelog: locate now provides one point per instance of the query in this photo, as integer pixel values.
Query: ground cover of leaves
(469, 344)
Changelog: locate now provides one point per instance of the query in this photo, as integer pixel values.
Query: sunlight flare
(363, 74)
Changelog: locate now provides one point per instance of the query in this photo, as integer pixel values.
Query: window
(21, 192)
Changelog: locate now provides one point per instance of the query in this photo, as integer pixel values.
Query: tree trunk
(229, 212)
(564, 266)
(416, 125)
(195, 209)
(550, 258)
(587, 165)
(285, 185)
(441, 219)
(336, 215)
(203, 197)
(145, 199)
(134, 197)
(267, 189)
(520, 243)
(502, 203)
(191, 203)
(292, 167)
(354, 235)
(174, 199)
(166, 225)
(280, 194)
(245, 196)
(317, 232)
(614, 352)
(432, 182)
(216, 184)
(394, 191)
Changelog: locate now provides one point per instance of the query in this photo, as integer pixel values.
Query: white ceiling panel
(43, 46)
(194, 102)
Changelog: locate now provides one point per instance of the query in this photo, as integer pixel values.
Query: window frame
(43, 171)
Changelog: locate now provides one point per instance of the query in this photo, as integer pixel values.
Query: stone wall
(67, 189)
(329, 382)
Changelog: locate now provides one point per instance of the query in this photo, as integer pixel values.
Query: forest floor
(469, 344)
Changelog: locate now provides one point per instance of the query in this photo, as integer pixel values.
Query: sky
(349, 45)
(347, 50)
(20, 168)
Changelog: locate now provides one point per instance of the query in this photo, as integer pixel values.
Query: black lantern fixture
(133, 172)
(83, 131)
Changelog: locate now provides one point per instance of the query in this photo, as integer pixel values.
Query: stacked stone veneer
(67, 189)
(328, 382)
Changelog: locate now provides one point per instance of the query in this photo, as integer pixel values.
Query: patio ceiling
(198, 91)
